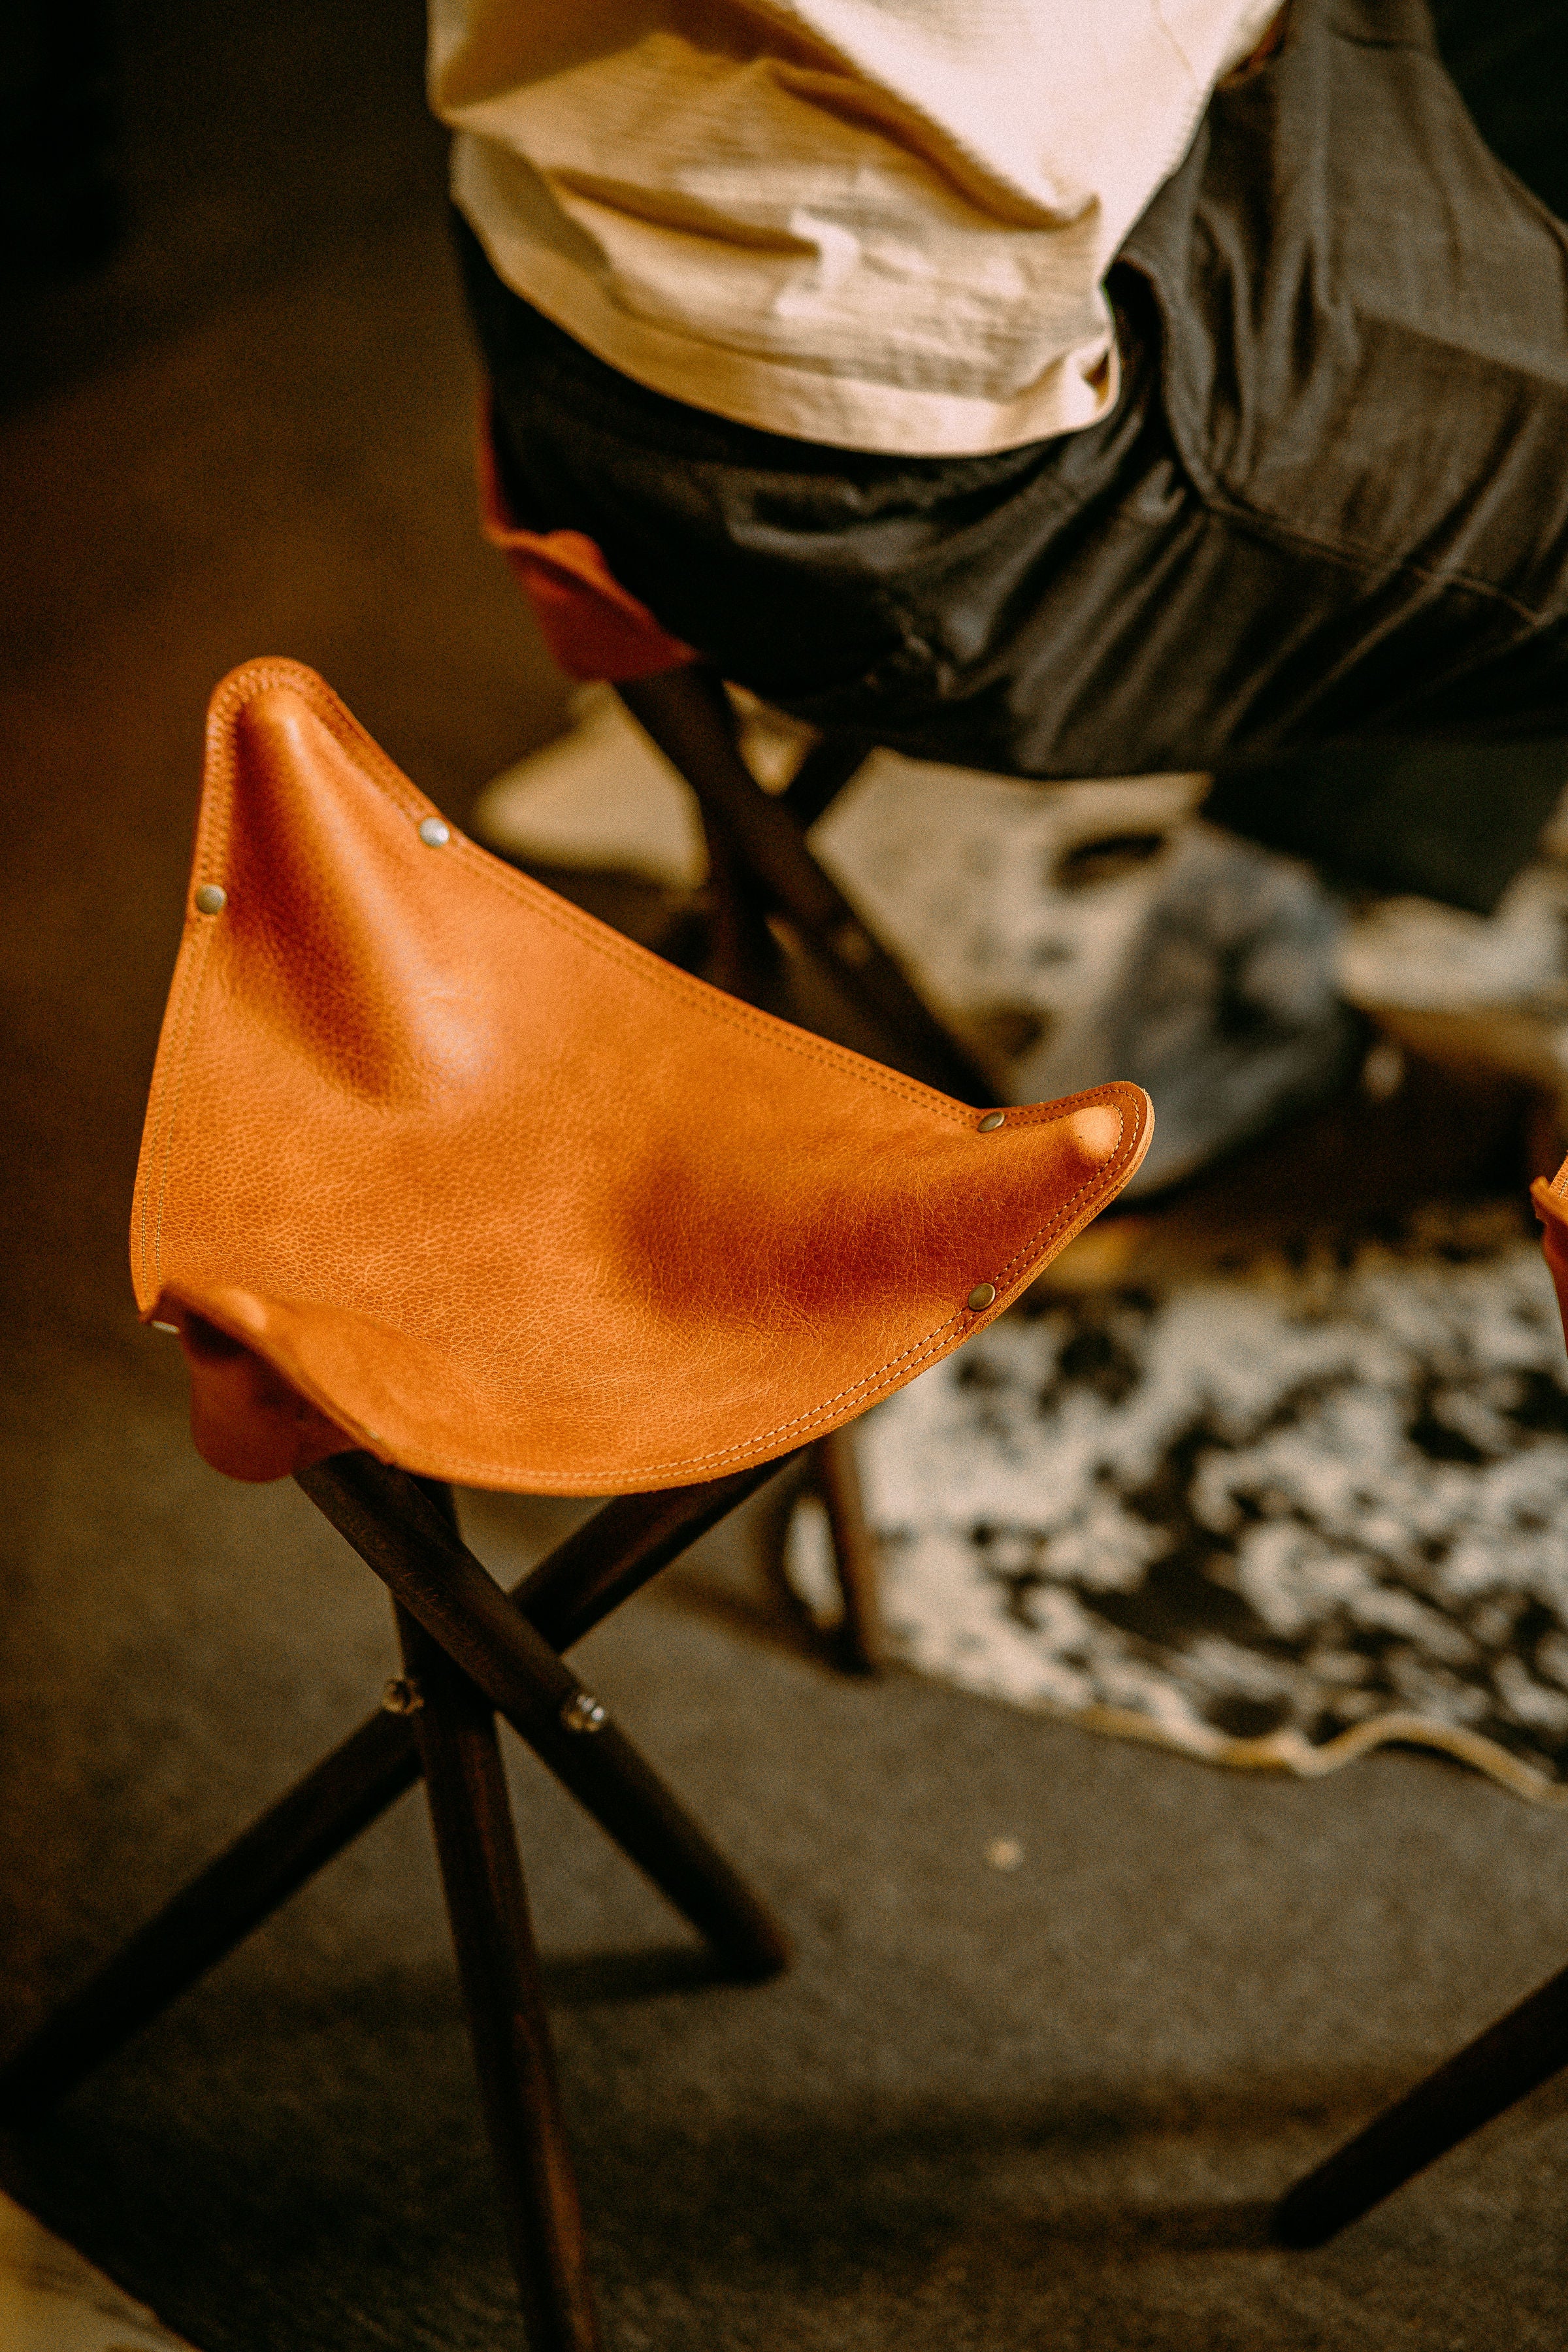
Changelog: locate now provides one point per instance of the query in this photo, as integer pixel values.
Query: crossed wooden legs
(1491, 2073)
(469, 1651)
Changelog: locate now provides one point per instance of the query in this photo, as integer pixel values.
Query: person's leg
(1358, 534)
(948, 608)
(1509, 64)
(1435, 288)
(743, 543)
(1454, 822)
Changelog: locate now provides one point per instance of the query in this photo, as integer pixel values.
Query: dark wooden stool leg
(688, 714)
(600, 1565)
(1522, 2050)
(625, 1542)
(399, 1533)
(853, 1548)
(743, 952)
(317, 1816)
(822, 776)
(488, 1906)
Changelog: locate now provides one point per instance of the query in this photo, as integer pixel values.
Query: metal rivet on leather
(582, 1713)
(991, 1122)
(210, 899)
(434, 833)
(982, 1294)
(402, 1695)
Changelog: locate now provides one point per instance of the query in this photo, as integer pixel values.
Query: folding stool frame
(760, 864)
(470, 1651)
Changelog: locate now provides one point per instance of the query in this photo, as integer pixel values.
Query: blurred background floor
(1044, 2105)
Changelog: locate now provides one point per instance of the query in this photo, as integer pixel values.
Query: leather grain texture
(437, 1166)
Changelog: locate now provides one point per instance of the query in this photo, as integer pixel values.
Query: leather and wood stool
(1502, 2065)
(761, 873)
(443, 1180)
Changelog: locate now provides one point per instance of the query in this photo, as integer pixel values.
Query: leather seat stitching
(926, 1344)
(195, 973)
(380, 770)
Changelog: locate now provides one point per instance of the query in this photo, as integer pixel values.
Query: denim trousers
(1320, 548)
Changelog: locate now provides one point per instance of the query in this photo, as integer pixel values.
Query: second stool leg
(487, 1904)
(688, 714)
(853, 1548)
(406, 1536)
(584, 1578)
(1510, 2059)
(743, 954)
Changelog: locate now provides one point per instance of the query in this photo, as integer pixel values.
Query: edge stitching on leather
(166, 1119)
(253, 679)
(1101, 1182)
(384, 773)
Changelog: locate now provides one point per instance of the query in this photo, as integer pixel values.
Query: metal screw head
(991, 1122)
(982, 1295)
(582, 1713)
(402, 1695)
(434, 833)
(210, 899)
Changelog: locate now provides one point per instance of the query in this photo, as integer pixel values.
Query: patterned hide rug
(1273, 1517)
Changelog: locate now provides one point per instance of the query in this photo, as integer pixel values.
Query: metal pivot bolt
(210, 899)
(582, 1711)
(991, 1122)
(981, 1296)
(402, 1695)
(434, 833)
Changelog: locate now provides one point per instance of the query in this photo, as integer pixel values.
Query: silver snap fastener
(402, 1695)
(982, 1295)
(434, 833)
(210, 899)
(582, 1713)
(991, 1122)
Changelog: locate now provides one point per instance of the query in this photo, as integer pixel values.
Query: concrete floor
(1047, 2107)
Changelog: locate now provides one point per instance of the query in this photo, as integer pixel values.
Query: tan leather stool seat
(438, 1170)
(477, 1184)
